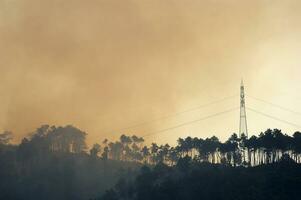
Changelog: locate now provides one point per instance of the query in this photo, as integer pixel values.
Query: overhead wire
(189, 122)
(174, 114)
(275, 105)
(209, 116)
(275, 118)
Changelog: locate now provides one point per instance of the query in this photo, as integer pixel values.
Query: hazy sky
(103, 65)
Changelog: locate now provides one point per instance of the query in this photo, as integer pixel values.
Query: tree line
(266, 148)
(269, 147)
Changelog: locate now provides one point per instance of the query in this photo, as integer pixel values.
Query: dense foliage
(52, 164)
(193, 180)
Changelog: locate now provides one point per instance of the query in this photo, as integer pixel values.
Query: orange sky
(103, 65)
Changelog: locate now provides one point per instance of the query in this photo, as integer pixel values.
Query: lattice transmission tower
(243, 127)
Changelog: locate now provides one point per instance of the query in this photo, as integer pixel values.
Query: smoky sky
(104, 65)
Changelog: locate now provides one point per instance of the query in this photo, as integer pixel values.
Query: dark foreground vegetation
(189, 180)
(55, 163)
(52, 164)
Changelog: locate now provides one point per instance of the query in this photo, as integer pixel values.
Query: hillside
(190, 180)
(54, 163)
(58, 176)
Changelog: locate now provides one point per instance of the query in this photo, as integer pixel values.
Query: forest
(53, 163)
(189, 179)
(56, 163)
(267, 148)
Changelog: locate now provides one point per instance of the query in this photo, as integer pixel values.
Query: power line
(174, 114)
(275, 118)
(189, 122)
(275, 105)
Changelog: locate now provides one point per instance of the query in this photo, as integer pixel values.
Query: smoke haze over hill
(101, 65)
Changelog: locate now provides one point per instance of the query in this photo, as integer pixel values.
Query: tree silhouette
(95, 150)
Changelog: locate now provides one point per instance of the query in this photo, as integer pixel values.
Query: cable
(275, 105)
(189, 122)
(174, 114)
(275, 118)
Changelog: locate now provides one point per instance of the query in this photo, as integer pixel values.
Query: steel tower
(243, 128)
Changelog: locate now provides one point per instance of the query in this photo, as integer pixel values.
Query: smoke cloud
(104, 65)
